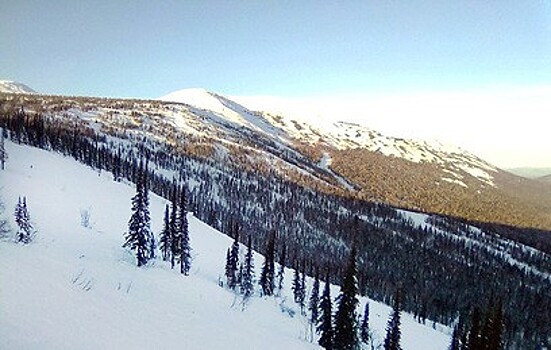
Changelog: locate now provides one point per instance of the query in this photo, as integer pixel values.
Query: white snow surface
(15, 87)
(75, 287)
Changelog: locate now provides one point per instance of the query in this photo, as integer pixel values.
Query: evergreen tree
(364, 326)
(268, 269)
(490, 337)
(165, 236)
(325, 321)
(232, 262)
(247, 284)
(240, 272)
(457, 337)
(313, 303)
(473, 342)
(393, 332)
(281, 272)
(495, 335)
(346, 335)
(173, 229)
(152, 244)
(227, 267)
(3, 153)
(23, 221)
(298, 289)
(185, 247)
(138, 237)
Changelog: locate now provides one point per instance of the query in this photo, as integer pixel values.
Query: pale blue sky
(148, 48)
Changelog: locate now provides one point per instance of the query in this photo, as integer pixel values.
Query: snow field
(75, 287)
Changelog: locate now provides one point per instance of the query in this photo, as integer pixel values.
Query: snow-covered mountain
(13, 87)
(241, 167)
(339, 135)
(75, 287)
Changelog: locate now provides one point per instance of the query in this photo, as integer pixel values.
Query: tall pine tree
(268, 269)
(165, 236)
(173, 229)
(346, 335)
(183, 234)
(247, 284)
(364, 326)
(152, 244)
(232, 261)
(475, 332)
(494, 336)
(325, 321)
(313, 303)
(281, 272)
(138, 237)
(298, 289)
(393, 332)
(3, 153)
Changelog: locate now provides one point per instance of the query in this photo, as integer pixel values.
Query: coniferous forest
(446, 270)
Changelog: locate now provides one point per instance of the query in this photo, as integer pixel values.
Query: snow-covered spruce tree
(281, 272)
(138, 237)
(268, 269)
(3, 153)
(393, 332)
(364, 326)
(313, 303)
(232, 262)
(346, 328)
(23, 221)
(165, 237)
(185, 246)
(173, 229)
(325, 321)
(298, 289)
(247, 283)
(152, 243)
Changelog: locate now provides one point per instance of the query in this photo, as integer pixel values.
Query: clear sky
(295, 49)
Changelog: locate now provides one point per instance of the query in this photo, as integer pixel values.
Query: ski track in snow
(77, 288)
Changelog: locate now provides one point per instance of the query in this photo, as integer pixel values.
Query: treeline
(444, 267)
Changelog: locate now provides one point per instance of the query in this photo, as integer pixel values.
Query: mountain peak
(13, 87)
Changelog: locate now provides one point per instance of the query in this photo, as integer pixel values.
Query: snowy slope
(15, 87)
(76, 288)
(288, 127)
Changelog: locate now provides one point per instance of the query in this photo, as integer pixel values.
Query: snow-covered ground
(75, 287)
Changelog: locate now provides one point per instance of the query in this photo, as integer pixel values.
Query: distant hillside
(530, 173)
(13, 87)
(336, 158)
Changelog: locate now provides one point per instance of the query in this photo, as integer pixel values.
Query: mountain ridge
(237, 174)
(334, 157)
(9, 86)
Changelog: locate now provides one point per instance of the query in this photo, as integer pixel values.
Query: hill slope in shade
(13, 87)
(75, 287)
